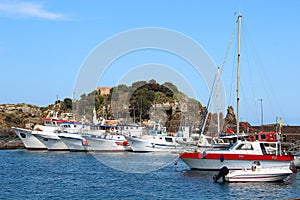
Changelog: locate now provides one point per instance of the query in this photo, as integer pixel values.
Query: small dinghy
(255, 174)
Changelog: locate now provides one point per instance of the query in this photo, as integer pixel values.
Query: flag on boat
(229, 130)
(280, 122)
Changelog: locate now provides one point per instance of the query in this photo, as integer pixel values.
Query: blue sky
(44, 43)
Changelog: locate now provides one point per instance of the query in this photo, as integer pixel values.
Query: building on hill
(104, 90)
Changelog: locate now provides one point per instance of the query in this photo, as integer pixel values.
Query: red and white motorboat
(266, 150)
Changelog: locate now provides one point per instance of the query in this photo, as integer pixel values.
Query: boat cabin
(257, 147)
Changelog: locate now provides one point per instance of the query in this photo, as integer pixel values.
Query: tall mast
(238, 77)
(218, 100)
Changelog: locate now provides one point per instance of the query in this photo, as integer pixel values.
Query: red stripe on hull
(196, 155)
(249, 157)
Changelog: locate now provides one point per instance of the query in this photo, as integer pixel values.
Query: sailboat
(242, 153)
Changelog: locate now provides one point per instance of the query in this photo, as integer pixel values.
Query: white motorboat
(28, 139)
(78, 138)
(149, 143)
(48, 134)
(130, 129)
(51, 140)
(74, 141)
(239, 156)
(107, 142)
(255, 174)
(296, 160)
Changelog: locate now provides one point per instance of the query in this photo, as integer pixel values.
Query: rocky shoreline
(11, 144)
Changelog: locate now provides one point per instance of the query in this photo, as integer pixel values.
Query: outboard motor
(222, 173)
(256, 166)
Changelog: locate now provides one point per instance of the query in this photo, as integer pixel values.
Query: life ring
(252, 138)
(267, 136)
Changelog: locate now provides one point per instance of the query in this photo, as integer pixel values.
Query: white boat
(130, 130)
(239, 156)
(255, 174)
(206, 142)
(107, 142)
(296, 160)
(74, 141)
(48, 134)
(184, 138)
(29, 140)
(51, 140)
(150, 143)
(79, 139)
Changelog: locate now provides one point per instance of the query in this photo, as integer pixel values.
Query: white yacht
(154, 142)
(107, 142)
(29, 140)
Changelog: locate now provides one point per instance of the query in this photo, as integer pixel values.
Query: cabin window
(245, 147)
(209, 140)
(169, 140)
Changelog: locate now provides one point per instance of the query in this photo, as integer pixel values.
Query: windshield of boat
(234, 145)
(246, 146)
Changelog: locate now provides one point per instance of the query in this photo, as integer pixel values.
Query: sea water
(74, 175)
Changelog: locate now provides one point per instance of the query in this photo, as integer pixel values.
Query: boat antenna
(238, 77)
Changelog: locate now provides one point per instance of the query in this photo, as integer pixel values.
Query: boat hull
(29, 140)
(151, 144)
(74, 142)
(110, 145)
(199, 161)
(267, 175)
(51, 141)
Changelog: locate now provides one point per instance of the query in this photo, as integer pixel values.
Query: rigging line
(207, 107)
(233, 78)
(228, 48)
(245, 44)
(246, 103)
(269, 90)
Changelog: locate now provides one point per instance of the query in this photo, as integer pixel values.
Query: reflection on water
(136, 162)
